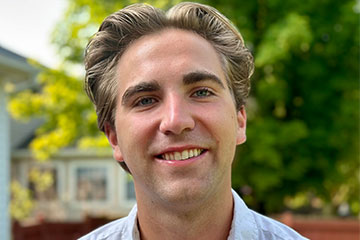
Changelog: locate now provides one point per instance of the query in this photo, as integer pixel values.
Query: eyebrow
(152, 86)
(199, 76)
(138, 88)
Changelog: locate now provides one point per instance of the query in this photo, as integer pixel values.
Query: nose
(176, 116)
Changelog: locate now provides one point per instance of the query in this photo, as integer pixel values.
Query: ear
(241, 130)
(111, 135)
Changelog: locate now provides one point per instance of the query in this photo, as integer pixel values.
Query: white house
(85, 182)
(14, 71)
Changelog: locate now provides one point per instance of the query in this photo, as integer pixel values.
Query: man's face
(176, 126)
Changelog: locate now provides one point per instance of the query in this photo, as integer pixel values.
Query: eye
(145, 101)
(204, 92)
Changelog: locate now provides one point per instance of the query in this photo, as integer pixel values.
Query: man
(169, 90)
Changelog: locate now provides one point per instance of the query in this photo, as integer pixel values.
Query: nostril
(177, 125)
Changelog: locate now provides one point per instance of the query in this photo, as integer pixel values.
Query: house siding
(4, 167)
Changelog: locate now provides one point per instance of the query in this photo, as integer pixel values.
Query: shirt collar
(243, 225)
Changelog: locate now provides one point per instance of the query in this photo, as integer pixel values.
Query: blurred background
(301, 157)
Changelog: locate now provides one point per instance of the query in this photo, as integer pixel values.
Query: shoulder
(248, 224)
(121, 229)
(272, 229)
(112, 230)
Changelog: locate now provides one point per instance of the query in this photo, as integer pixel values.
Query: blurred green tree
(303, 115)
(303, 128)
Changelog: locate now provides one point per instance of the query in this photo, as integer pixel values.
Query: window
(91, 181)
(44, 180)
(126, 190)
(130, 190)
(91, 184)
(43, 183)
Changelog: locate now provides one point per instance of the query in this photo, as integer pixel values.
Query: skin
(172, 96)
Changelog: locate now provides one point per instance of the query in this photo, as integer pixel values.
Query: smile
(183, 155)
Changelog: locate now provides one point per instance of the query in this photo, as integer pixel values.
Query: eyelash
(207, 90)
(139, 103)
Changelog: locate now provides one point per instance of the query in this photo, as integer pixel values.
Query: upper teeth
(181, 155)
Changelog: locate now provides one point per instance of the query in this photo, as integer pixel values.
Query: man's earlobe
(241, 131)
(111, 135)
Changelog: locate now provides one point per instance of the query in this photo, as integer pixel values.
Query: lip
(180, 149)
(182, 162)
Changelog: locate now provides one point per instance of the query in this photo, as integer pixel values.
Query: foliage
(303, 115)
(66, 111)
(21, 203)
(303, 131)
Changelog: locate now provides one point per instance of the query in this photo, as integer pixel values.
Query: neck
(211, 219)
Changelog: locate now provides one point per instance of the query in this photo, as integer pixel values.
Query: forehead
(166, 55)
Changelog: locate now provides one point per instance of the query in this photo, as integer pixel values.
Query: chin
(185, 194)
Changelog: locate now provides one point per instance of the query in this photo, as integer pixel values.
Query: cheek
(221, 122)
(133, 134)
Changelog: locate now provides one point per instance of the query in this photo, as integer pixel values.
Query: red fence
(335, 229)
(312, 229)
(56, 231)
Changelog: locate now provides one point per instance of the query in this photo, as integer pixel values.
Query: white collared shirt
(246, 225)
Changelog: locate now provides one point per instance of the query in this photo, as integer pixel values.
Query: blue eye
(203, 93)
(145, 101)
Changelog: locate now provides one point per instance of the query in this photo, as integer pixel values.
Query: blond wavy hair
(125, 26)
